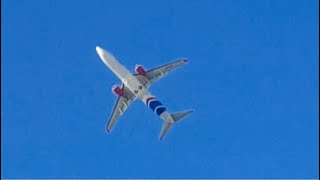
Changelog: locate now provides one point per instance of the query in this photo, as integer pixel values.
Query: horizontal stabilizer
(165, 127)
(177, 116)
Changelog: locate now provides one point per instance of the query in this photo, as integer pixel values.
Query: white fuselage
(130, 81)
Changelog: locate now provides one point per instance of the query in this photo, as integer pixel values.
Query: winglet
(184, 60)
(108, 130)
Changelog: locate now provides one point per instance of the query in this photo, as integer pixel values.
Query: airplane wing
(120, 107)
(157, 73)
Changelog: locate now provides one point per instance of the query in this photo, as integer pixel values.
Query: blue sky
(252, 79)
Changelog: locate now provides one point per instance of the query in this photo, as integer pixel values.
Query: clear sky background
(252, 79)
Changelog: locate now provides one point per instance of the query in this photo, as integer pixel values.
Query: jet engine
(140, 70)
(117, 90)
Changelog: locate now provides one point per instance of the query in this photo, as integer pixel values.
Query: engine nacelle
(140, 70)
(117, 90)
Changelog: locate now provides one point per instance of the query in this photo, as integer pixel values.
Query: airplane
(136, 86)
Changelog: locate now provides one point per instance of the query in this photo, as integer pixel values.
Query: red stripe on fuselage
(150, 98)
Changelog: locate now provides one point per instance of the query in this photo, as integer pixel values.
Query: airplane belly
(135, 86)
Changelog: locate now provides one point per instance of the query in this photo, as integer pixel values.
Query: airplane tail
(176, 117)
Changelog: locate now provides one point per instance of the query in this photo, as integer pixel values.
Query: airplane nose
(99, 50)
